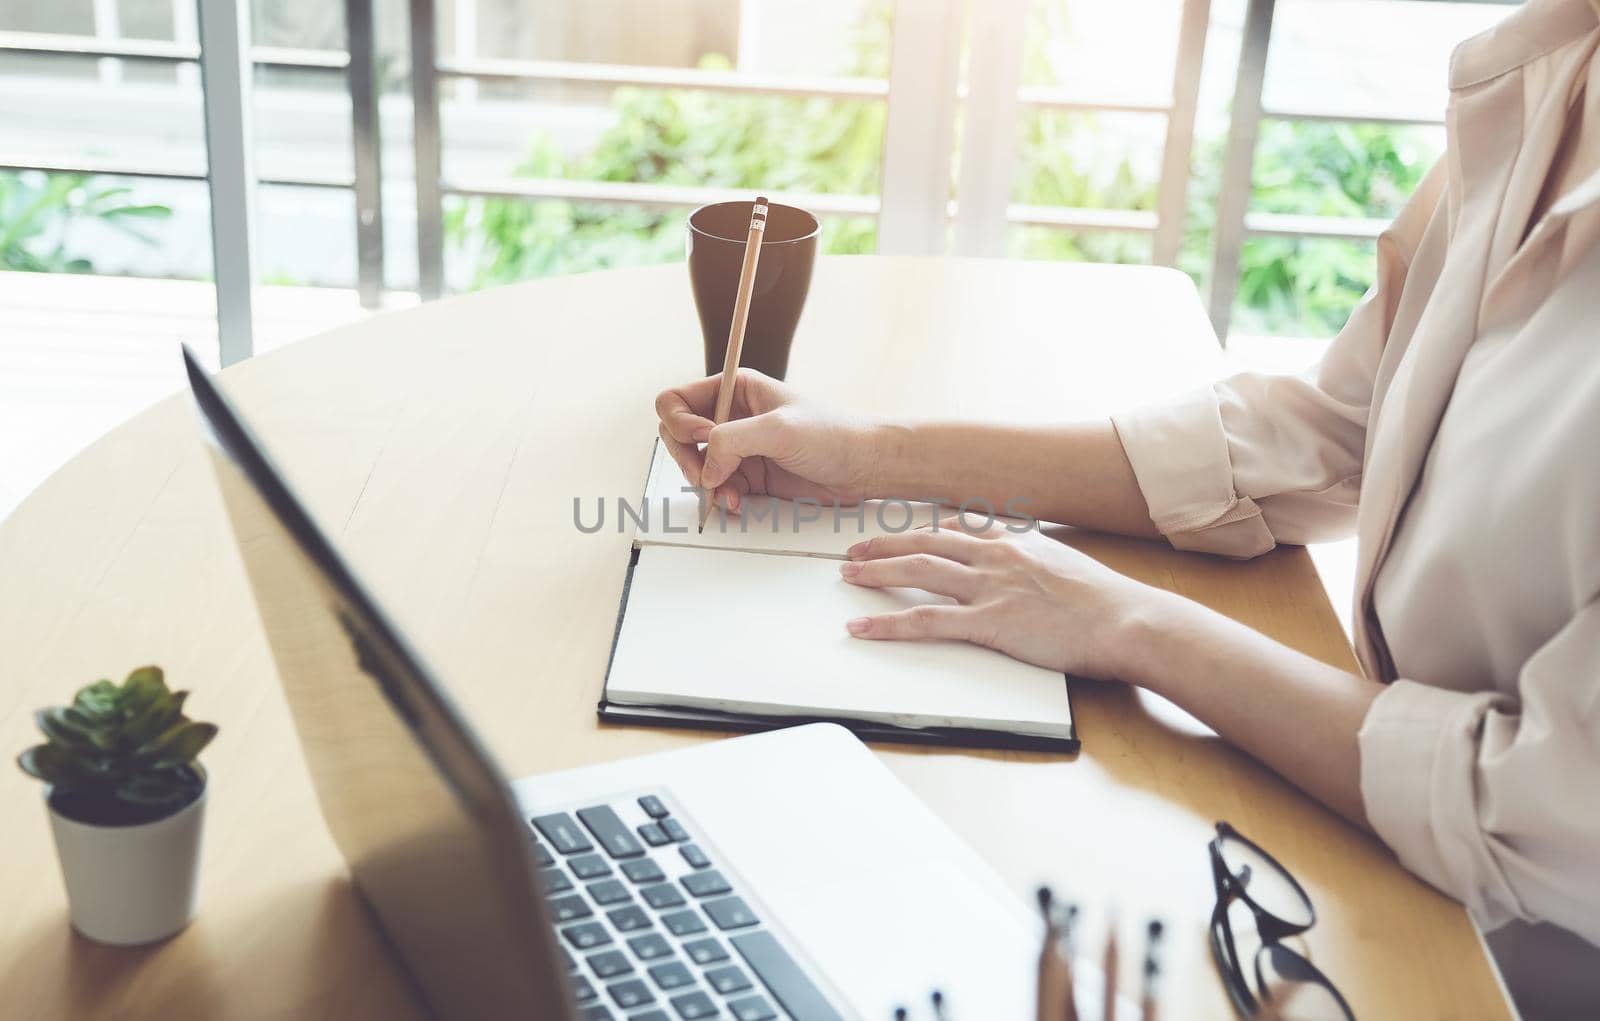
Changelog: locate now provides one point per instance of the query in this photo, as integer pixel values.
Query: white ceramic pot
(132, 884)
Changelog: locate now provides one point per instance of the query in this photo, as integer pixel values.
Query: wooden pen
(741, 315)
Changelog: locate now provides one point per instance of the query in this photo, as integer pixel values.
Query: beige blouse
(1454, 426)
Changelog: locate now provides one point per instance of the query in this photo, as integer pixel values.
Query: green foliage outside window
(684, 137)
(831, 146)
(38, 213)
(1308, 287)
(674, 137)
(1286, 286)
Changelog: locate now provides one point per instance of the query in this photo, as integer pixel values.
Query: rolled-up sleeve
(1259, 459)
(1495, 800)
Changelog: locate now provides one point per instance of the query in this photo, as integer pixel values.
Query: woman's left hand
(1023, 594)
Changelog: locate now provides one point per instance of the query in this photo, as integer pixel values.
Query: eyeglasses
(1288, 985)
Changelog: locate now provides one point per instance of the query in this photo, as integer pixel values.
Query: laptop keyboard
(653, 930)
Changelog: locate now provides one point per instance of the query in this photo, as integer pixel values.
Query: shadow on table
(308, 950)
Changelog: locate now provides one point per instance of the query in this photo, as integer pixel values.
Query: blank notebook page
(767, 525)
(764, 634)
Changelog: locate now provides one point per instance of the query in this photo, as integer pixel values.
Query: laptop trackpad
(918, 926)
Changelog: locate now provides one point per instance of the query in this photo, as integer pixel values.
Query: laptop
(783, 875)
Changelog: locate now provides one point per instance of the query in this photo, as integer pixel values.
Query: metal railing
(914, 208)
(989, 150)
(221, 54)
(1235, 222)
(427, 68)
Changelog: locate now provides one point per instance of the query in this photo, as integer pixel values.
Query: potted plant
(126, 800)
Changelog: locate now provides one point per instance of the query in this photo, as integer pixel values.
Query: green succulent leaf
(155, 788)
(154, 720)
(98, 700)
(80, 719)
(126, 744)
(44, 762)
(142, 688)
(61, 731)
(178, 745)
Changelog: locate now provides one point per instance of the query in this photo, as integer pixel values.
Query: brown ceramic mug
(716, 242)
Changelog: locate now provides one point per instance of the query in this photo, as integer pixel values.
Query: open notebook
(770, 591)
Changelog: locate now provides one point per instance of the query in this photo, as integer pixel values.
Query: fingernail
(849, 570)
(702, 434)
(856, 550)
(706, 472)
(859, 625)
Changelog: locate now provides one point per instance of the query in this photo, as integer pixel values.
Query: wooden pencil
(1055, 992)
(741, 315)
(1109, 964)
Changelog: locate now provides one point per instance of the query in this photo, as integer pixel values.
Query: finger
(732, 442)
(957, 546)
(687, 455)
(919, 570)
(731, 493)
(686, 411)
(929, 620)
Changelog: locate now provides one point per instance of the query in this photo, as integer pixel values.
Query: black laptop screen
(415, 804)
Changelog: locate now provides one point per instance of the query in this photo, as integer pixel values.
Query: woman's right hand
(773, 444)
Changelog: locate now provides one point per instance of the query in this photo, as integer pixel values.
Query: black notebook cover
(674, 716)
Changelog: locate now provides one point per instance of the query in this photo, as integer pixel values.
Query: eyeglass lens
(1265, 882)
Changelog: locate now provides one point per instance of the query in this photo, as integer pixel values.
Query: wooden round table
(443, 447)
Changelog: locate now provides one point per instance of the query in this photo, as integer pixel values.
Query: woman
(1454, 426)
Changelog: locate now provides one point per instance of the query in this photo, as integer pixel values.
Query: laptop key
(782, 977)
(651, 1015)
(611, 831)
(650, 946)
(630, 994)
(554, 880)
(672, 975)
(610, 964)
(730, 913)
(727, 980)
(694, 1005)
(582, 990)
(653, 834)
(589, 866)
(653, 807)
(563, 834)
(705, 951)
(609, 891)
(629, 919)
(596, 1012)
(704, 884)
(751, 1008)
(567, 909)
(663, 895)
(696, 858)
(572, 962)
(674, 830)
(643, 871)
(542, 855)
(683, 923)
(586, 936)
